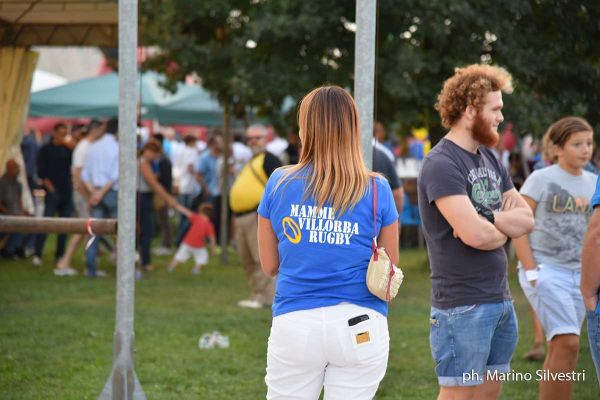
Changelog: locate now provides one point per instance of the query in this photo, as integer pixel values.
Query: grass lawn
(56, 335)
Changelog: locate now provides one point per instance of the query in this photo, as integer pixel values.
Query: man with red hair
(469, 208)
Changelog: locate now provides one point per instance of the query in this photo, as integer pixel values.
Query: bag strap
(373, 243)
(388, 296)
(262, 182)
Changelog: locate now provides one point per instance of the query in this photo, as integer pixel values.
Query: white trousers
(316, 348)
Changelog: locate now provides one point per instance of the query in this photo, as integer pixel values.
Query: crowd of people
(304, 233)
(78, 174)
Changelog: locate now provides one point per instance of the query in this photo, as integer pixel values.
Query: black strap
(256, 175)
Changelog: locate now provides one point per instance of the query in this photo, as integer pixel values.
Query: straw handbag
(383, 277)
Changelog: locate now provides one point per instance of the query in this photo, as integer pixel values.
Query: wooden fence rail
(57, 225)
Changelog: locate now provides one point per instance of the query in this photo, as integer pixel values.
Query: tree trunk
(223, 237)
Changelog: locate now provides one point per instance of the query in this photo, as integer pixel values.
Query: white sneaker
(161, 251)
(36, 261)
(68, 271)
(101, 274)
(250, 304)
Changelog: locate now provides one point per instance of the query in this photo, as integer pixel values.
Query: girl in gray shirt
(550, 257)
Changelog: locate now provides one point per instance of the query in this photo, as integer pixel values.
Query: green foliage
(549, 46)
(214, 39)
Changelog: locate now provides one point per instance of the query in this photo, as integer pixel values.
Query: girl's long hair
(331, 153)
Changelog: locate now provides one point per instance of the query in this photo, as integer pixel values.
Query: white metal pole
(123, 383)
(364, 72)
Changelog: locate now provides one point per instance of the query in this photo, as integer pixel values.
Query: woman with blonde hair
(316, 223)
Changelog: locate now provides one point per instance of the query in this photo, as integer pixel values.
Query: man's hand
(515, 218)
(48, 185)
(508, 203)
(95, 198)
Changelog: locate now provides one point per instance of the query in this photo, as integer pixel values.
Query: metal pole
(364, 72)
(57, 225)
(123, 383)
(224, 234)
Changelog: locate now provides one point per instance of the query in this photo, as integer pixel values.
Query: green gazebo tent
(98, 97)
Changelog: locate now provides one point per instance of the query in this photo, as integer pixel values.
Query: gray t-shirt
(561, 216)
(10, 194)
(460, 274)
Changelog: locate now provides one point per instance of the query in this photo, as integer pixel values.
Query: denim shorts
(593, 327)
(468, 341)
(556, 299)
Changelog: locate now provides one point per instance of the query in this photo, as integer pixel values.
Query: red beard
(482, 132)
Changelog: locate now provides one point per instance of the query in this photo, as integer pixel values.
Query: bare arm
(89, 186)
(47, 183)
(213, 244)
(471, 228)
(267, 247)
(78, 183)
(590, 262)
(388, 238)
(399, 201)
(183, 210)
(516, 218)
(200, 179)
(522, 246)
(105, 189)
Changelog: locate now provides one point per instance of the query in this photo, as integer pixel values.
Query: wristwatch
(487, 214)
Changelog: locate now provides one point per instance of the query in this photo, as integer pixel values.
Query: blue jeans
(593, 327)
(13, 243)
(55, 203)
(107, 208)
(146, 226)
(468, 341)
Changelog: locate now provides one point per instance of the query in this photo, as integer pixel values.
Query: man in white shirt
(80, 193)
(186, 177)
(241, 155)
(100, 176)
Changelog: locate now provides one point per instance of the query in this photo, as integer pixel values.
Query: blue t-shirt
(207, 166)
(323, 258)
(596, 196)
